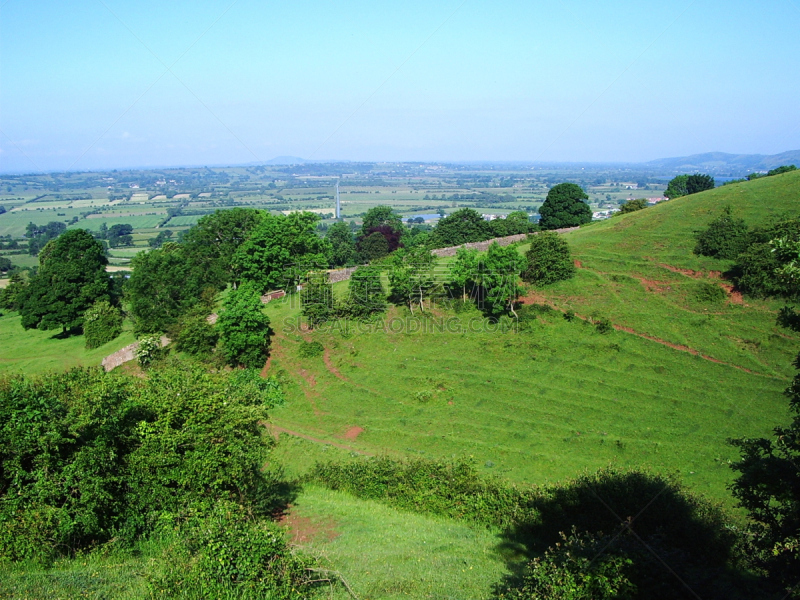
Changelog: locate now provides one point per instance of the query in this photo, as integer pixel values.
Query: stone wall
(126, 354)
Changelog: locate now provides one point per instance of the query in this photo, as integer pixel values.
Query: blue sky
(106, 83)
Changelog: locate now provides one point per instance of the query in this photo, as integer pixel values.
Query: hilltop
(725, 164)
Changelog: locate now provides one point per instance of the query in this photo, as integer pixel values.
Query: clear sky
(112, 83)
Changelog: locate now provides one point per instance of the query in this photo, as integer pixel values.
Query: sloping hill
(722, 162)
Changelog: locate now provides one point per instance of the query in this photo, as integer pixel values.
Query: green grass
(385, 553)
(35, 351)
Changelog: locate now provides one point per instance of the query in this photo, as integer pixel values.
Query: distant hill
(723, 163)
(288, 160)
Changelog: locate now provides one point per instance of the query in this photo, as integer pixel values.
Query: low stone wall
(126, 354)
(266, 298)
(483, 246)
(341, 274)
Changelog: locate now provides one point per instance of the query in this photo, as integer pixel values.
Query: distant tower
(338, 204)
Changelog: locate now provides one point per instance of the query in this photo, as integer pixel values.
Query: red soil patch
(687, 272)
(658, 287)
(310, 380)
(353, 432)
(578, 264)
(276, 431)
(304, 530)
(733, 296)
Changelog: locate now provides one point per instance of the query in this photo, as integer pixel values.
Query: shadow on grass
(67, 333)
(663, 540)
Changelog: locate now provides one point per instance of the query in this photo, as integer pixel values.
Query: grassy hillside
(666, 391)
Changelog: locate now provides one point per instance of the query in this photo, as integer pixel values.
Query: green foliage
(101, 324)
(709, 293)
(683, 185)
(318, 304)
(781, 170)
(725, 237)
(229, 556)
(768, 487)
(381, 216)
(212, 243)
(603, 325)
(502, 266)
(194, 334)
(632, 206)
(39, 235)
(374, 246)
(366, 295)
(464, 270)
(343, 246)
(460, 227)
(756, 270)
(12, 295)
(451, 489)
(163, 286)
(87, 456)
(244, 328)
(580, 567)
(279, 250)
(549, 259)
(311, 349)
(676, 187)
(411, 277)
(5, 264)
(565, 206)
(699, 183)
(515, 223)
(149, 350)
(71, 277)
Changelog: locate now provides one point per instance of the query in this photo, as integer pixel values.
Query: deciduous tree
(244, 328)
(565, 206)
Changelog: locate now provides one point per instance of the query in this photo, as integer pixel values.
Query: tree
(160, 239)
(5, 264)
(193, 333)
(120, 235)
(317, 299)
(212, 243)
(515, 223)
(11, 296)
(632, 206)
(71, 277)
(411, 277)
(279, 251)
(101, 324)
(366, 295)
(565, 206)
(464, 269)
(461, 227)
(162, 286)
(244, 328)
(677, 187)
(777, 171)
(725, 237)
(548, 259)
(343, 246)
(374, 246)
(39, 235)
(380, 216)
(699, 183)
(502, 268)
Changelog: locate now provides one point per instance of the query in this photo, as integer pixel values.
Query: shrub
(149, 350)
(317, 299)
(709, 293)
(311, 349)
(452, 489)
(632, 206)
(101, 324)
(194, 334)
(603, 325)
(549, 260)
(754, 273)
(87, 456)
(366, 295)
(724, 238)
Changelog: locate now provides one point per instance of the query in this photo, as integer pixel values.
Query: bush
(754, 273)
(366, 295)
(632, 206)
(88, 456)
(549, 260)
(149, 350)
(709, 293)
(725, 237)
(603, 326)
(194, 334)
(101, 324)
(311, 349)
(451, 489)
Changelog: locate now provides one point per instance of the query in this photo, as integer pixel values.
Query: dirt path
(326, 357)
(539, 299)
(275, 429)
